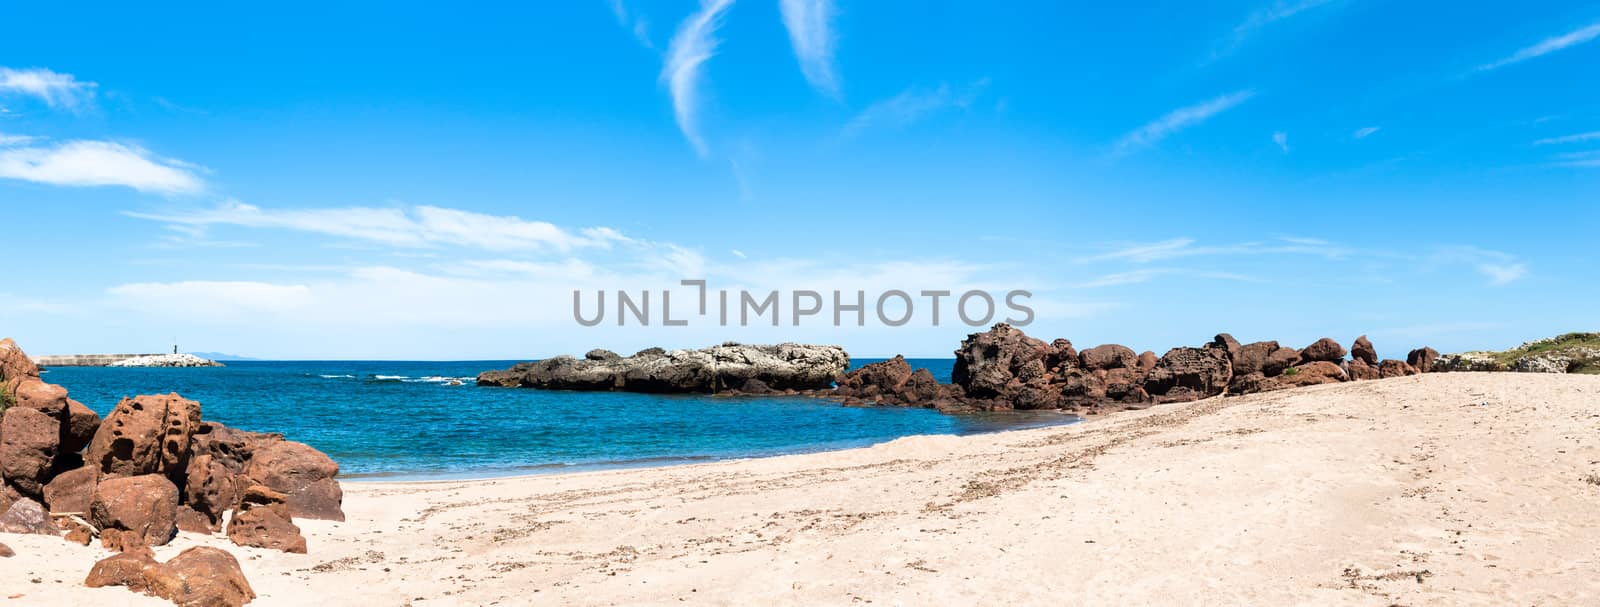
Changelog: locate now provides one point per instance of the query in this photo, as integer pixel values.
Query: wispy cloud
(420, 226)
(7, 140)
(1503, 274)
(54, 89)
(914, 105)
(810, 25)
(1180, 119)
(1364, 132)
(1177, 248)
(1262, 18)
(1574, 138)
(635, 23)
(694, 43)
(1545, 47)
(1499, 267)
(1282, 139)
(98, 163)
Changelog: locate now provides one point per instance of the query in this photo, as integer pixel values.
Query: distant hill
(220, 357)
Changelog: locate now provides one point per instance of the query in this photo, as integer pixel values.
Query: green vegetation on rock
(1568, 353)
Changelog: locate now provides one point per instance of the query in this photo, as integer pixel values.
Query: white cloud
(693, 45)
(1364, 132)
(1282, 139)
(419, 226)
(634, 23)
(1503, 274)
(1186, 247)
(98, 163)
(913, 105)
(810, 25)
(1180, 119)
(14, 140)
(1262, 18)
(1574, 138)
(54, 89)
(1547, 46)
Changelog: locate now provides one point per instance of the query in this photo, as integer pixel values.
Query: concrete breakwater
(83, 360)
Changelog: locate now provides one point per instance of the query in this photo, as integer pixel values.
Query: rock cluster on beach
(166, 360)
(729, 366)
(1004, 368)
(151, 468)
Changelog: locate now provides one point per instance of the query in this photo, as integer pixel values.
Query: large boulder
(1252, 357)
(1186, 374)
(1422, 359)
(718, 368)
(1109, 356)
(72, 491)
(302, 473)
(133, 511)
(999, 362)
(145, 435)
(1280, 360)
(29, 442)
(201, 576)
(27, 516)
(876, 379)
(1395, 368)
(1363, 351)
(32, 393)
(262, 520)
(1325, 349)
(230, 447)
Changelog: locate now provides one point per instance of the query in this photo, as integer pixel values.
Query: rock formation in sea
(166, 360)
(730, 366)
(1003, 368)
(152, 468)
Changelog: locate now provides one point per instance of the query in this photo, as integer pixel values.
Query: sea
(389, 420)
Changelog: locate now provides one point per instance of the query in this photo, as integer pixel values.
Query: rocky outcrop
(72, 491)
(198, 577)
(1567, 353)
(1422, 359)
(1186, 374)
(708, 370)
(1324, 350)
(166, 360)
(29, 442)
(145, 435)
(1363, 351)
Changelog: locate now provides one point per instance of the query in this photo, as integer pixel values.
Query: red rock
(210, 488)
(263, 521)
(145, 435)
(81, 424)
(6, 552)
(1279, 361)
(1109, 356)
(1125, 386)
(302, 473)
(1361, 371)
(987, 363)
(29, 440)
(14, 364)
(72, 491)
(1251, 383)
(135, 510)
(1324, 349)
(1186, 374)
(192, 521)
(1252, 357)
(78, 532)
(1363, 351)
(28, 517)
(49, 399)
(122, 569)
(1147, 361)
(1227, 344)
(229, 446)
(200, 577)
(1313, 373)
(1422, 359)
(1395, 368)
(886, 377)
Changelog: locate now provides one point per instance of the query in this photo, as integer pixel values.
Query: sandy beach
(1462, 488)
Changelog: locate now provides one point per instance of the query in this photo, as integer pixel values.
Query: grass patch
(1570, 344)
(1291, 371)
(6, 398)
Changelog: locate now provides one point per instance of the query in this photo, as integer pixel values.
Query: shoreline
(1412, 490)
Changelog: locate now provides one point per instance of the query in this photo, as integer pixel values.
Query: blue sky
(407, 180)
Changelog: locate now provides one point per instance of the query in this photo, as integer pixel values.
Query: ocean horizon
(411, 420)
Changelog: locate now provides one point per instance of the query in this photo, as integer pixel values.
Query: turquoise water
(403, 420)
